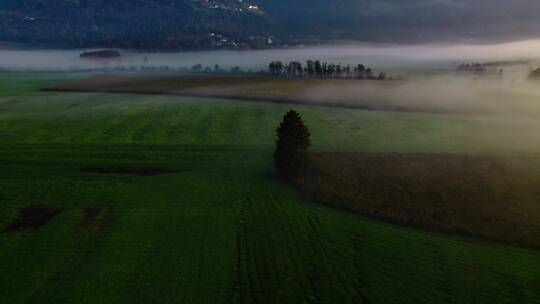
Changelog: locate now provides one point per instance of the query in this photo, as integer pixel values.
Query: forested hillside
(205, 24)
(406, 20)
(164, 24)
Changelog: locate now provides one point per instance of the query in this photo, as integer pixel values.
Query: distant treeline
(146, 68)
(294, 69)
(324, 70)
(472, 67)
(481, 68)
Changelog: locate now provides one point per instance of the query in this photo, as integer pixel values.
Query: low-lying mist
(375, 55)
(462, 94)
(509, 94)
(448, 91)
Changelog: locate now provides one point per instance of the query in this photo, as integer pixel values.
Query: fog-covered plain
(442, 91)
(375, 55)
(438, 94)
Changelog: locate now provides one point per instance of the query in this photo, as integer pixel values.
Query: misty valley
(350, 172)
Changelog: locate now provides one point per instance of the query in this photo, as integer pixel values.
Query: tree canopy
(293, 141)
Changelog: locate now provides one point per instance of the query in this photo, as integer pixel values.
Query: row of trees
(472, 67)
(316, 69)
(480, 69)
(294, 69)
(198, 68)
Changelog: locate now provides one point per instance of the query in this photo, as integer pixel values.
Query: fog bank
(460, 94)
(375, 55)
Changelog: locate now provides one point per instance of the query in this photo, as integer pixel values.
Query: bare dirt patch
(495, 197)
(32, 218)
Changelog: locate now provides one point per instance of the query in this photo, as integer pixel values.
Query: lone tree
(292, 144)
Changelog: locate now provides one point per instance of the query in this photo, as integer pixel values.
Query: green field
(218, 226)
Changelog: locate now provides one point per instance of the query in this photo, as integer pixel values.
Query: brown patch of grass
(32, 218)
(492, 197)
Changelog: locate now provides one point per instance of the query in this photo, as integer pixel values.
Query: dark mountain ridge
(208, 24)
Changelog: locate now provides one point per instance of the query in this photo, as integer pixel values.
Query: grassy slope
(222, 228)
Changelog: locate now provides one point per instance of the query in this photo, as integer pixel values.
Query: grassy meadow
(173, 199)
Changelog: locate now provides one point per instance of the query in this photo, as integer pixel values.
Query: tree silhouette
(318, 68)
(322, 70)
(535, 74)
(294, 69)
(292, 145)
(236, 70)
(276, 68)
(310, 68)
(197, 68)
(369, 73)
(360, 71)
